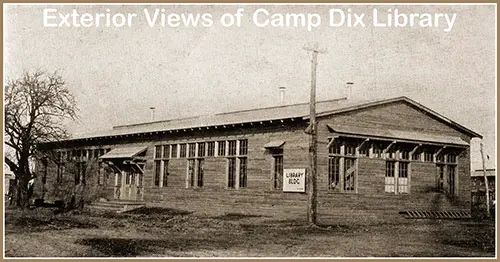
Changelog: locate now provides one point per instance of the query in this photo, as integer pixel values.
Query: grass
(154, 231)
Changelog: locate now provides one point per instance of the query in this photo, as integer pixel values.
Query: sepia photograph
(245, 130)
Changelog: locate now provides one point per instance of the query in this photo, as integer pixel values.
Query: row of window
(202, 149)
(236, 161)
(342, 173)
(343, 156)
(389, 150)
(80, 154)
(342, 163)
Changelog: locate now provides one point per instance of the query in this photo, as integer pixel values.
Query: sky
(117, 74)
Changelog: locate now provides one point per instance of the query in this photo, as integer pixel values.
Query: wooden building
(478, 189)
(375, 158)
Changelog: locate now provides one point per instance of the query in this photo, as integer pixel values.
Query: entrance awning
(389, 134)
(274, 144)
(124, 153)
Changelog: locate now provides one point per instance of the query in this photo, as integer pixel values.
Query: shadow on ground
(124, 247)
(158, 211)
(39, 223)
(477, 235)
(236, 216)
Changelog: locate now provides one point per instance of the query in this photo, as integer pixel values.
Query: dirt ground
(160, 232)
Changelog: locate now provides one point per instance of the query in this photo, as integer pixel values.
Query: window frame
(337, 153)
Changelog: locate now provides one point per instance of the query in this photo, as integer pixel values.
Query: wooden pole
(313, 142)
(485, 182)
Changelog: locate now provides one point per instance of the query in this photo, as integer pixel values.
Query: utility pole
(313, 141)
(485, 182)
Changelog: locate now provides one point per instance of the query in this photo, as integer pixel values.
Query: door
(132, 188)
(129, 185)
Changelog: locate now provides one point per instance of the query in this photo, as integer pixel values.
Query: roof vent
(348, 93)
(282, 95)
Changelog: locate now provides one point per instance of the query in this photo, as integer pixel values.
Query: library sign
(294, 180)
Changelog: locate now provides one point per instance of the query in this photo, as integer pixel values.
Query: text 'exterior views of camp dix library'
(375, 159)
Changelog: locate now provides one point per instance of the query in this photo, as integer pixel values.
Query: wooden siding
(396, 116)
(370, 201)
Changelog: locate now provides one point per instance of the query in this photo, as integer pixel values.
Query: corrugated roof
(124, 152)
(257, 115)
(398, 134)
(236, 117)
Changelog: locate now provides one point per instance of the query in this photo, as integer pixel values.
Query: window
(416, 156)
(166, 151)
(60, 172)
(100, 175)
(243, 147)
(201, 149)
(90, 154)
(349, 174)
(403, 177)
(182, 150)
(232, 148)
(428, 155)
(363, 151)
(335, 147)
(396, 177)
(390, 181)
(165, 173)
(451, 158)
(192, 149)
(391, 153)
(243, 172)
(377, 150)
(200, 172)
(157, 172)
(80, 173)
(451, 180)
(231, 172)
(404, 154)
(174, 151)
(191, 173)
(278, 169)
(210, 148)
(333, 172)
(446, 164)
(78, 155)
(342, 167)
(128, 178)
(158, 151)
(195, 164)
(440, 177)
(243, 151)
(350, 148)
(162, 153)
(222, 148)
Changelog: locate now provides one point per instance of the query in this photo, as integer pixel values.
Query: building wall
(369, 203)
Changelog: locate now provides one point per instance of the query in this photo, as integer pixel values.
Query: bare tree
(35, 107)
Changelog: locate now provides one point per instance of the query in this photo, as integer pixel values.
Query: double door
(129, 185)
